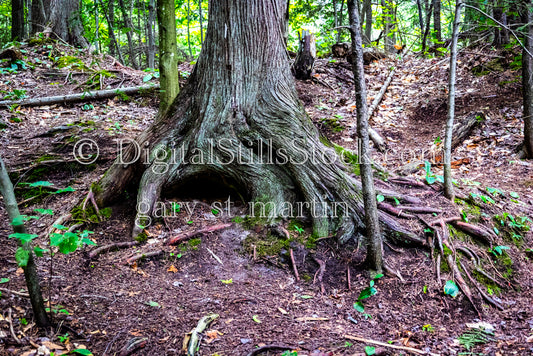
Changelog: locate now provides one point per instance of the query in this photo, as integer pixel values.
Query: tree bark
(150, 31)
(110, 17)
(375, 243)
(305, 60)
(367, 10)
(168, 54)
(386, 8)
(17, 20)
(30, 270)
(240, 104)
(40, 10)
(436, 20)
(127, 22)
(66, 22)
(420, 17)
(201, 19)
(448, 179)
(189, 26)
(527, 80)
(428, 27)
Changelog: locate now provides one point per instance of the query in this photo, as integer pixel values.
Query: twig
(133, 345)
(215, 256)
(190, 235)
(294, 268)
(11, 328)
(20, 294)
(381, 93)
(110, 247)
(349, 277)
(397, 347)
(194, 341)
(320, 273)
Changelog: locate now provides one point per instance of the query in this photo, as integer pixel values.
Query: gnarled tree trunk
(239, 120)
(66, 22)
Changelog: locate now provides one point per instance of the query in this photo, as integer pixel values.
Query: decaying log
(190, 235)
(305, 60)
(11, 53)
(340, 50)
(86, 96)
(463, 128)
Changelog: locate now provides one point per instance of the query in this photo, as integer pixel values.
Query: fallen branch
(397, 347)
(86, 96)
(20, 294)
(17, 340)
(381, 93)
(190, 235)
(140, 256)
(133, 345)
(195, 333)
(110, 247)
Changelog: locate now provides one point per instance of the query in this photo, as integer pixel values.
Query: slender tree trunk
(448, 179)
(201, 18)
(110, 23)
(97, 27)
(28, 19)
(110, 17)
(30, 270)
(17, 20)
(168, 54)
(151, 38)
(420, 17)
(436, 20)
(336, 21)
(428, 27)
(386, 8)
(367, 9)
(241, 95)
(189, 26)
(527, 80)
(375, 244)
(127, 22)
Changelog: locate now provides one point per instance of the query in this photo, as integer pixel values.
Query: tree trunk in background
(436, 20)
(305, 60)
(30, 270)
(189, 26)
(367, 10)
(40, 10)
(110, 17)
(527, 80)
(420, 18)
(17, 20)
(127, 22)
(150, 31)
(501, 35)
(336, 21)
(448, 179)
(374, 256)
(168, 54)
(66, 22)
(201, 18)
(429, 12)
(240, 102)
(97, 27)
(386, 8)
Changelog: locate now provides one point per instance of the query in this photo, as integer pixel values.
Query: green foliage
(474, 336)
(430, 177)
(366, 293)
(370, 350)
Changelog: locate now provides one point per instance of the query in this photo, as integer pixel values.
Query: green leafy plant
(366, 293)
(430, 177)
(451, 289)
(370, 350)
(428, 328)
(474, 336)
(498, 250)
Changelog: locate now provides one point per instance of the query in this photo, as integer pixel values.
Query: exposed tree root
(293, 263)
(133, 346)
(190, 235)
(476, 231)
(110, 247)
(319, 274)
(481, 292)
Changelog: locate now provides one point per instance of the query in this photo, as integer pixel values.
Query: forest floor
(241, 273)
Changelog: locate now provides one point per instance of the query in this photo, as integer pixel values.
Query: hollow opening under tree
(239, 118)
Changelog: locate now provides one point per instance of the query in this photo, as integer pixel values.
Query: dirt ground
(104, 303)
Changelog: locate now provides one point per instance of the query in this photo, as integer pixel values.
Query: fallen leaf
(172, 269)
(283, 311)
